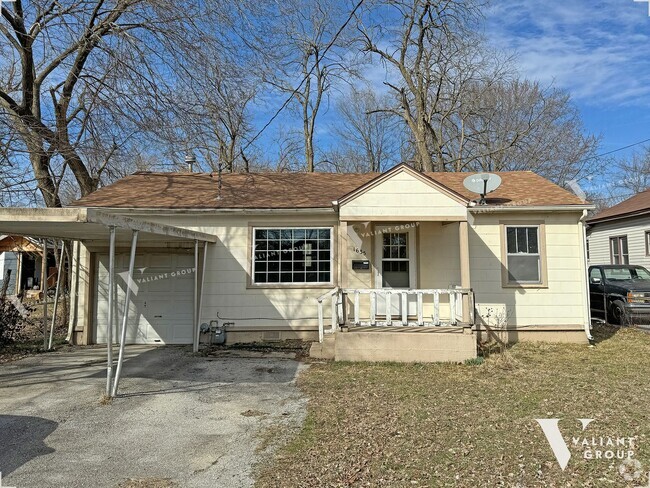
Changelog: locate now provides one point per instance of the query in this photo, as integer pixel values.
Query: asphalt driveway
(181, 419)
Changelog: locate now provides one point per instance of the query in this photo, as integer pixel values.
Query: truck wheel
(618, 313)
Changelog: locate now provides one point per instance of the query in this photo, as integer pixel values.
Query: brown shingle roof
(296, 190)
(639, 203)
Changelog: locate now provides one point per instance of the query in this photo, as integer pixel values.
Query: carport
(89, 224)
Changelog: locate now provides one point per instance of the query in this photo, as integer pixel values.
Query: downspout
(585, 288)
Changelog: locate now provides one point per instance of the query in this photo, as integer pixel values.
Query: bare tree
(82, 81)
(420, 42)
(211, 113)
(369, 136)
(302, 42)
(518, 125)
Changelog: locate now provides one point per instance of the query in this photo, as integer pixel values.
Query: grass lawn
(471, 425)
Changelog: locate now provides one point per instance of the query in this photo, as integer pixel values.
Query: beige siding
(634, 229)
(229, 294)
(561, 303)
(403, 195)
(227, 291)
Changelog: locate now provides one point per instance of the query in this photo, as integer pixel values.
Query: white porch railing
(338, 316)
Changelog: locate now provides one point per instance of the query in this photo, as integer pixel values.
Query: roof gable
(405, 193)
(635, 205)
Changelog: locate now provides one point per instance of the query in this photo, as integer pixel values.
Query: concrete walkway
(180, 420)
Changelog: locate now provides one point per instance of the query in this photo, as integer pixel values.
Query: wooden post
(388, 302)
(356, 307)
(321, 325)
(405, 308)
(420, 309)
(465, 281)
(436, 307)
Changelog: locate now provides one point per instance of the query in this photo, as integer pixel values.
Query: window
(595, 276)
(292, 255)
(395, 260)
(626, 274)
(524, 260)
(647, 242)
(618, 250)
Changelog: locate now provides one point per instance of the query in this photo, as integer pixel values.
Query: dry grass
(470, 425)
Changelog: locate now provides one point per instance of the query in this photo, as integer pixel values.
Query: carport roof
(87, 224)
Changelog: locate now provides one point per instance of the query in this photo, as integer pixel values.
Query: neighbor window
(647, 242)
(618, 250)
(292, 255)
(523, 256)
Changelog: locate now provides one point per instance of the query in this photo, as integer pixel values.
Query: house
(401, 266)
(621, 234)
(22, 258)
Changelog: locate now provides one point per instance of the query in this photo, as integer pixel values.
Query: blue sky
(597, 50)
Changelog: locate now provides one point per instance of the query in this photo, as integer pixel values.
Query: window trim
(541, 226)
(620, 249)
(252, 226)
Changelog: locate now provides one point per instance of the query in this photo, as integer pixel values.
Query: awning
(89, 224)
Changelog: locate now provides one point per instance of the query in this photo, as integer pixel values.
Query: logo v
(556, 441)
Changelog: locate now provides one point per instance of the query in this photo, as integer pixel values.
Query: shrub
(11, 323)
(474, 361)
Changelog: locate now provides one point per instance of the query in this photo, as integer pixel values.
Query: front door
(395, 267)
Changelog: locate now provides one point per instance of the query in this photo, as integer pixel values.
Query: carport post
(198, 313)
(44, 290)
(111, 293)
(127, 299)
(56, 294)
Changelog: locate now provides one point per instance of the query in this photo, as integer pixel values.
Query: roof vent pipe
(190, 160)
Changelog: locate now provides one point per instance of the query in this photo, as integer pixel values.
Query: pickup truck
(620, 294)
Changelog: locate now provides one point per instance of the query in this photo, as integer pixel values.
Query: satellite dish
(482, 183)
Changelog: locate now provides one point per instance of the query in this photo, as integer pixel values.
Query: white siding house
(621, 234)
(401, 266)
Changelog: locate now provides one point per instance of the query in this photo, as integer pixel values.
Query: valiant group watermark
(608, 448)
(133, 282)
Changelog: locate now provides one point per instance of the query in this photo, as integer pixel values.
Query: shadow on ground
(23, 439)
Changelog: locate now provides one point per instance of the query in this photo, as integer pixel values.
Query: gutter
(539, 208)
(212, 211)
(585, 289)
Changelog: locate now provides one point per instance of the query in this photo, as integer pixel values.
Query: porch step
(324, 350)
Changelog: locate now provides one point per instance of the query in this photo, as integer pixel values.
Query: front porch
(362, 325)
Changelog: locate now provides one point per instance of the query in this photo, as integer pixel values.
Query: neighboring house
(23, 257)
(406, 261)
(621, 234)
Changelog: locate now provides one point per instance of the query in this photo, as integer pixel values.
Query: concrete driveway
(191, 421)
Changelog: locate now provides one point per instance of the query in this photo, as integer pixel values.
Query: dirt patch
(253, 413)
(148, 483)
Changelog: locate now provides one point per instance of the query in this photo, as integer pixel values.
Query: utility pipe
(585, 288)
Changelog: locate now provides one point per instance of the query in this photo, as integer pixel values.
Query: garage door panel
(162, 299)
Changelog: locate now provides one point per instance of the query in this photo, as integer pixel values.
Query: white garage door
(161, 300)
